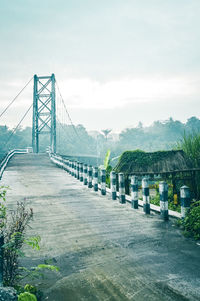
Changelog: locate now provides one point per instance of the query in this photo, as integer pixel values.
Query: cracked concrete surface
(105, 250)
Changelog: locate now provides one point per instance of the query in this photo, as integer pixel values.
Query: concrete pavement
(105, 250)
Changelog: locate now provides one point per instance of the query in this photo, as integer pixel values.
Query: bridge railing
(96, 179)
(8, 156)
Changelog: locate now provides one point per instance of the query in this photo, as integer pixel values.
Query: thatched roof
(138, 161)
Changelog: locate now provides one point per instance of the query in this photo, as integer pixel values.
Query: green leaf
(48, 266)
(107, 158)
(27, 297)
(33, 242)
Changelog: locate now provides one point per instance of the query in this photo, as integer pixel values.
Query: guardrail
(6, 159)
(3, 165)
(91, 177)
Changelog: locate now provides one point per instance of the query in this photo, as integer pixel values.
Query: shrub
(13, 232)
(191, 223)
(156, 199)
(27, 297)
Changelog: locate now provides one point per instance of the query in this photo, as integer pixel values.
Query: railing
(91, 177)
(3, 165)
(6, 159)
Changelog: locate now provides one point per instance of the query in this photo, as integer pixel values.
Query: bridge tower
(44, 110)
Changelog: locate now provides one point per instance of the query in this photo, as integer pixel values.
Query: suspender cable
(67, 111)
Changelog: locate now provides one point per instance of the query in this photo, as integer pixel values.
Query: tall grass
(190, 144)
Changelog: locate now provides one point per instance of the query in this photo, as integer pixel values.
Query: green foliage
(36, 272)
(48, 267)
(107, 159)
(171, 206)
(142, 161)
(13, 232)
(33, 242)
(30, 289)
(190, 144)
(107, 167)
(191, 223)
(74, 140)
(3, 190)
(13, 229)
(27, 297)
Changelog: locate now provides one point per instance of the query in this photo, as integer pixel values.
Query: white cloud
(86, 93)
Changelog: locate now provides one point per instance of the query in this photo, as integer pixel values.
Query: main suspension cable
(14, 130)
(15, 98)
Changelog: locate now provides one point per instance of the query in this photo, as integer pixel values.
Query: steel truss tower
(44, 110)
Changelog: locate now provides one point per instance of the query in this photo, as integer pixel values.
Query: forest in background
(76, 140)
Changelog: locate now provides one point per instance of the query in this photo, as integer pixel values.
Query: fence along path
(105, 250)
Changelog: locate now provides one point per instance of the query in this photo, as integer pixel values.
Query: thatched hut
(172, 165)
(140, 162)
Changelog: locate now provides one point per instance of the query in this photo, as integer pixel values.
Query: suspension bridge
(104, 248)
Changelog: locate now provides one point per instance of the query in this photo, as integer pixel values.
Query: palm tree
(106, 132)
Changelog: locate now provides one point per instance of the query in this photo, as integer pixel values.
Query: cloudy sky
(117, 62)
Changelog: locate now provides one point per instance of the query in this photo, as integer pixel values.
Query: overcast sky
(117, 62)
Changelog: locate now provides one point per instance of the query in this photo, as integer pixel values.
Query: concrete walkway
(105, 250)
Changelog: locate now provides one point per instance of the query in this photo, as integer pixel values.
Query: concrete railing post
(95, 178)
(72, 168)
(89, 176)
(81, 172)
(85, 174)
(75, 169)
(78, 170)
(145, 193)
(185, 200)
(103, 181)
(67, 165)
(134, 192)
(113, 185)
(163, 191)
(122, 198)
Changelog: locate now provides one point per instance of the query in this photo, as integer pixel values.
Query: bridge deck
(105, 250)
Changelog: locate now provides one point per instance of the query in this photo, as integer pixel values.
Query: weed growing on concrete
(13, 227)
(14, 237)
